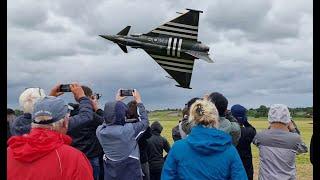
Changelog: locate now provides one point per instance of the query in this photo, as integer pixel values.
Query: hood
(22, 124)
(33, 146)
(208, 140)
(239, 112)
(156, 127)
(115, 113)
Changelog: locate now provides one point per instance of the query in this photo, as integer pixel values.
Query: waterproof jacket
(44, 154)
(157, 144)
(244, 148)
(278, 149)
(85, 114)
(206, 153)
(119, 142)
(143, 145)
(84, 136)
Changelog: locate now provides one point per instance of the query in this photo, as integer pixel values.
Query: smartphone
(126, 92)
(65, 88)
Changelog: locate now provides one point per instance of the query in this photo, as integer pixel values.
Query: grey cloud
(262, 50)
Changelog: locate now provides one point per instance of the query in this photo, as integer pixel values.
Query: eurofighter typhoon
(174, 45)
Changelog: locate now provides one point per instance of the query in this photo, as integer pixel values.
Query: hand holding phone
(126, 92)
(65, 88)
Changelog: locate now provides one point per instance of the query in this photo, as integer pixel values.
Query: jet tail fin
(200, 55)
(123, 47)
(124, 31)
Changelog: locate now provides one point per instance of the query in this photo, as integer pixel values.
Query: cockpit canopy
(136, 35)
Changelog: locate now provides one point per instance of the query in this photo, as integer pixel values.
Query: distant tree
(262, 111)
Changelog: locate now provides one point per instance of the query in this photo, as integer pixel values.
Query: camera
(126, 92)
(64, 88)
(97, 96)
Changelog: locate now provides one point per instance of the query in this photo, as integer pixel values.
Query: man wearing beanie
(45, 152)
(227, 123)
(247, 134)
(279, 145)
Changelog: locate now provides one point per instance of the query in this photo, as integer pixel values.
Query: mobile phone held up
(65, 88)
(126, 92)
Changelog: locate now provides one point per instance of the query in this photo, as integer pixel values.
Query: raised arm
(85, 107)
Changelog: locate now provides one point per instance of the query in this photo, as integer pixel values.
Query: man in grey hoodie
(119, 139)
(227, 122)
(279, 145)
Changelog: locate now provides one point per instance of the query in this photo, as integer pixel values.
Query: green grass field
(169, 119)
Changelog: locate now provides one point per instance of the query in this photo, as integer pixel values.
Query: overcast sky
(263, 50)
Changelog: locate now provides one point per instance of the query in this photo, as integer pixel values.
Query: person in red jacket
(45, 153)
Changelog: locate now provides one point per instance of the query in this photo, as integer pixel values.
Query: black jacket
(84, 136)
(244, 148)
(143, 145)
(156, 146)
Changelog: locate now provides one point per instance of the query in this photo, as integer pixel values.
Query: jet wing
(179, 68)
(184, 26)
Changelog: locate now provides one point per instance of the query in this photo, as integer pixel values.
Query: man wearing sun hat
(45, 152)
(279, 145)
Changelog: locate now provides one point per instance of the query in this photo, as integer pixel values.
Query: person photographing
(119, 139)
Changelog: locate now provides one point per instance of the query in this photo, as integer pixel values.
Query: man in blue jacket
(119, 139)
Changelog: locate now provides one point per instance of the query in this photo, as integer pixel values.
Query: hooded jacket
(45, 154)
(119, 141)
(247, 134)
(157, 144)
(206, 153)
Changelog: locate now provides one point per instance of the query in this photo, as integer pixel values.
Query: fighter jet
(174, 45)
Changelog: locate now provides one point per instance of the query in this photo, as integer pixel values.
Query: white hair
(29, 97)
(56, 126)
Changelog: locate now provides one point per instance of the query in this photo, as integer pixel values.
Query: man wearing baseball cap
(45, 152)
(279, 145)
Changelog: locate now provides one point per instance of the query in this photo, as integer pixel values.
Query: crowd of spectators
(54, 139)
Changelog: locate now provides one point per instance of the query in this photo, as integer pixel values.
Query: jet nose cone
(107, 37)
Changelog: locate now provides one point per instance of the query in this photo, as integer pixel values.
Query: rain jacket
(119, 141)
(206, 153)
(45, 154)
(157, 144)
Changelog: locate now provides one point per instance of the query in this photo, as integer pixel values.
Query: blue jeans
(96, 167)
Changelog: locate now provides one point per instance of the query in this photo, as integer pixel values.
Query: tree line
(262, 111)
